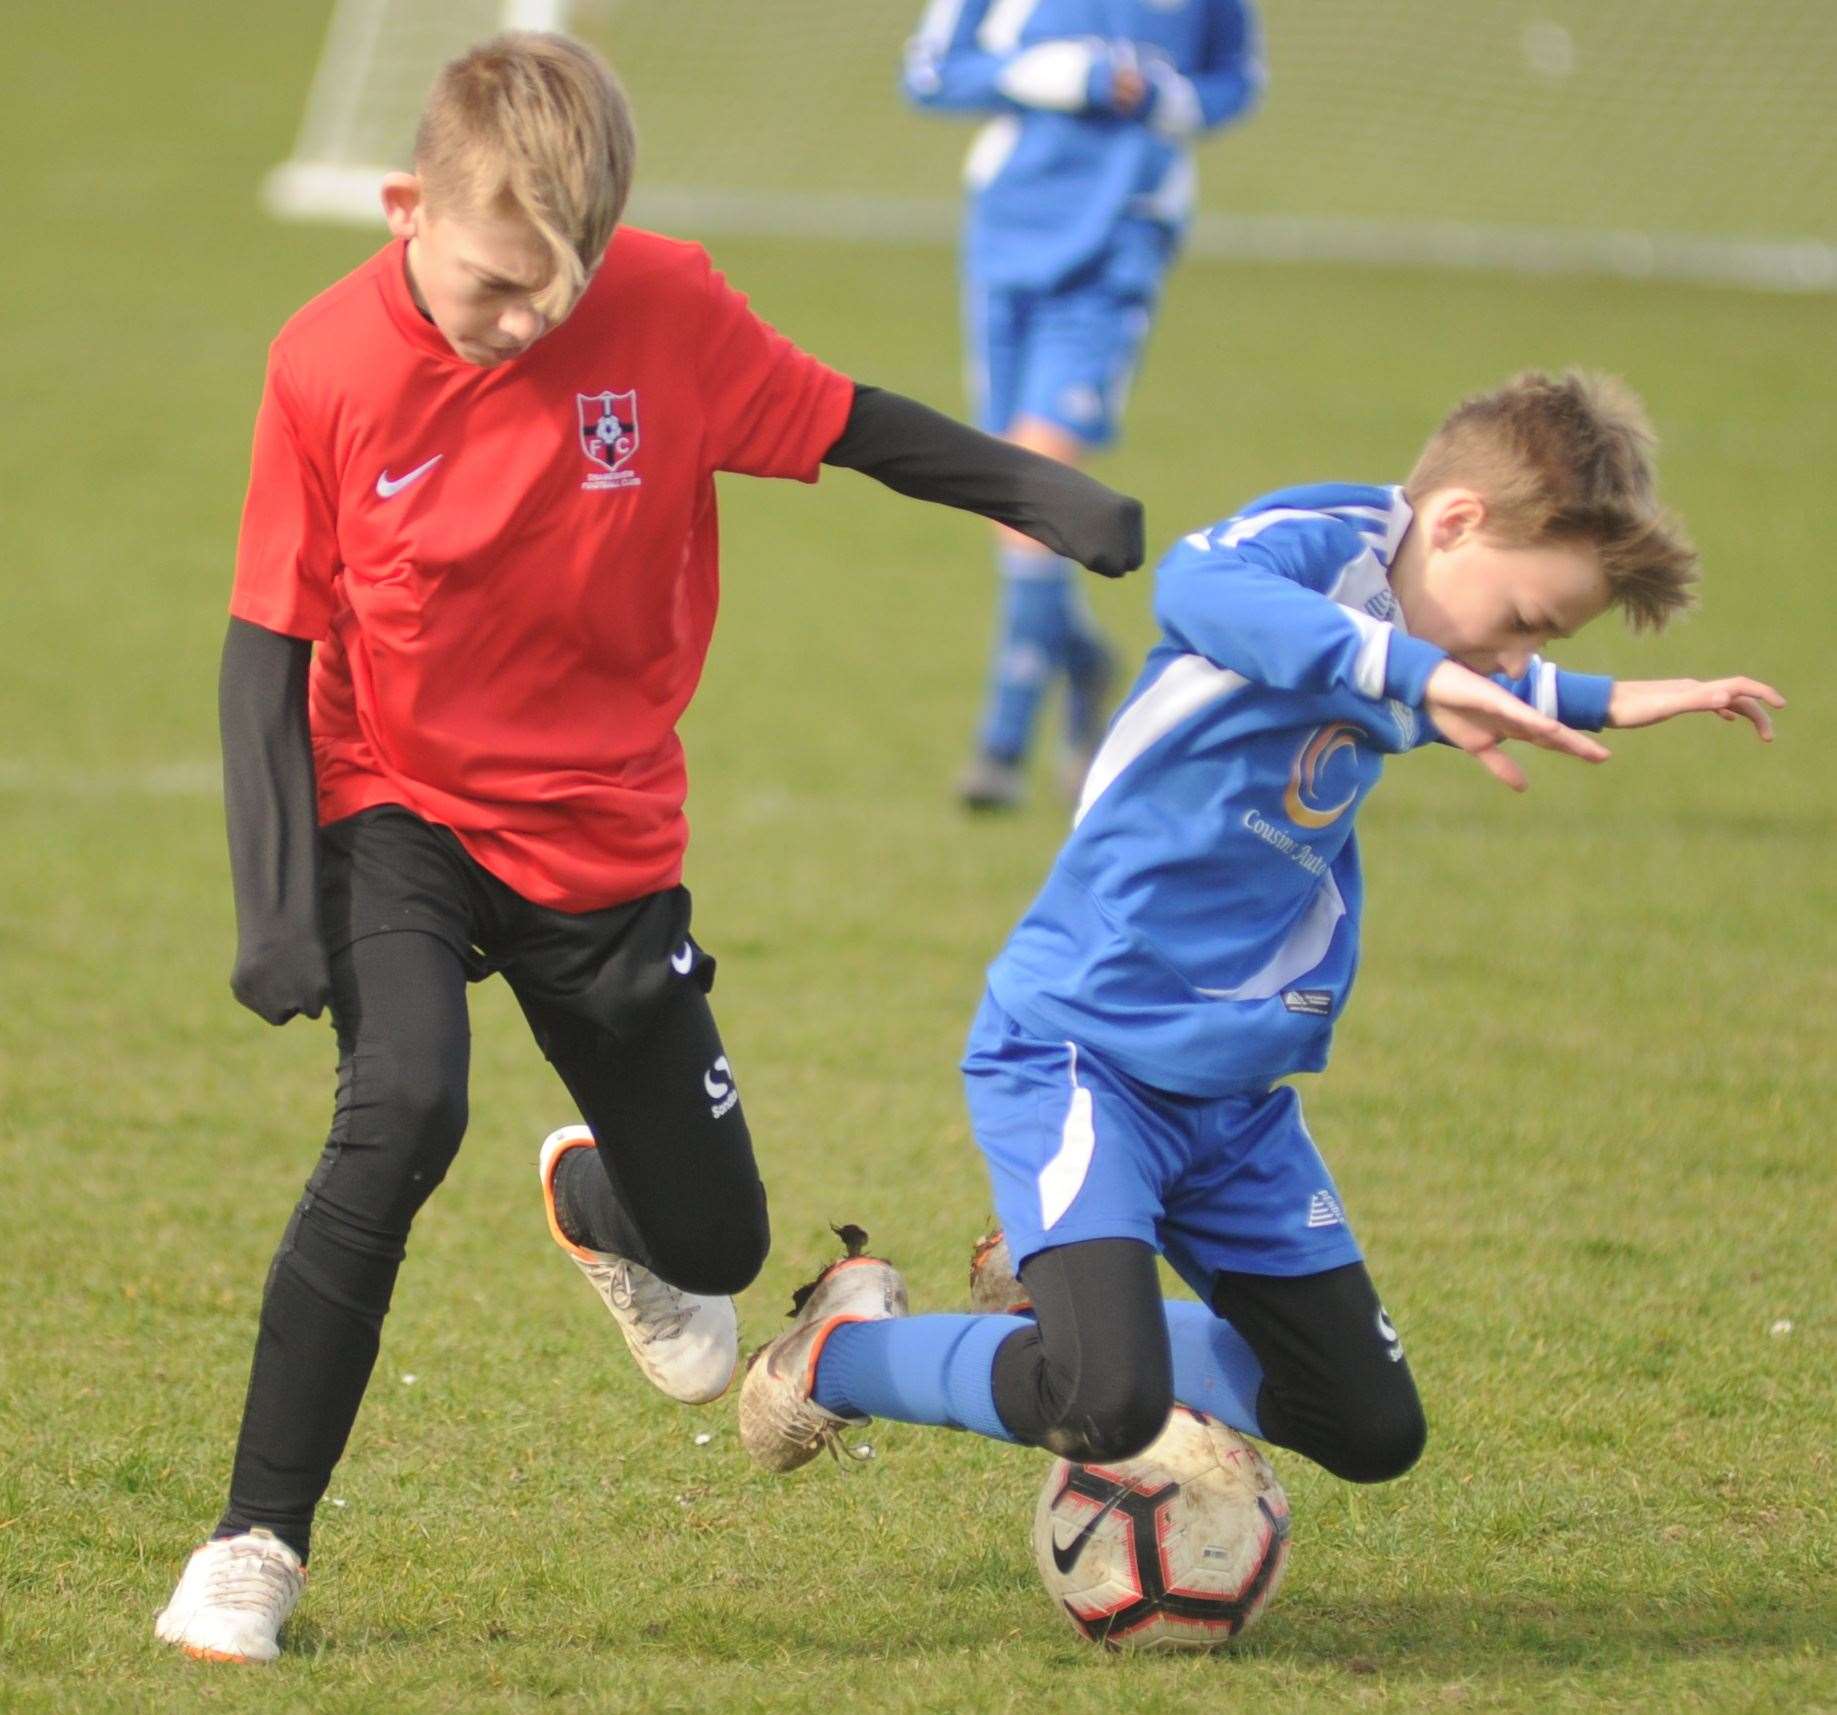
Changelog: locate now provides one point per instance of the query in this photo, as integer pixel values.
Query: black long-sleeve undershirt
(270, 802)
(922, 453)
(271, 808)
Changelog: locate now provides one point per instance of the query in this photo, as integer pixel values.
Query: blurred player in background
(475, 584)
(1080, 189)
(1197, 940)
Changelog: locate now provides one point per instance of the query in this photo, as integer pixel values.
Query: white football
(1180, 1547)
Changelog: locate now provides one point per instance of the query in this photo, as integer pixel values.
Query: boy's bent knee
(708, 1277)
(715, 1263)
(435, 1117)
(1380, 1447)
(401, 1105)
(1092, 1430)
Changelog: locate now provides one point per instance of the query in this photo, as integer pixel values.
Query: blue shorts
(1077, 1150)
(1065, 356)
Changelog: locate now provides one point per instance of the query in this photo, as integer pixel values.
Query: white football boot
(781, 1426)
(688, 1345)
(233, 1598)
(995, 1288)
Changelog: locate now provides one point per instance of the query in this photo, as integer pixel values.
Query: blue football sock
(1036, 621)
(940, 1369)
(917, 1369)
(1215, 1371)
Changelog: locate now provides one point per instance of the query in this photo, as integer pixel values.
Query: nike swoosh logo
(682, 959)
(1065, 1558)
(387, 485)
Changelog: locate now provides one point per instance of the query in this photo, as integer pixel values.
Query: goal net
(1683, 139)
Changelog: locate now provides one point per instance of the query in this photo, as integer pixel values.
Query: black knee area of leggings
(1092, 1380)
(1091, 1418)
(722, 1257)
(1336, 1386)
(424, 1115)
(1385, 1444)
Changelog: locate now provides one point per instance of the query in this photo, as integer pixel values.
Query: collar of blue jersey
(1401, 513)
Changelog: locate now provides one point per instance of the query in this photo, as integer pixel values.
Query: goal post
(1669, 139)
(374, 70)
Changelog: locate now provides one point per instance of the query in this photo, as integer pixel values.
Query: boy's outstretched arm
(958, 63)
(1590, 701)
(271, 808)
(923, 453)
(1646, 702)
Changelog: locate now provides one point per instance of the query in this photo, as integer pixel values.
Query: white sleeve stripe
(1001, 27)
(1242, 529)
(1056, 75)
(932, 37)
(1543, 687)
(1374, 654)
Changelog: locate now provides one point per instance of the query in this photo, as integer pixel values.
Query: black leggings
(399, 1004)
(1093, 1378)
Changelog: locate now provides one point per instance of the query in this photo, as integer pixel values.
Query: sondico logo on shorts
(1301, 803)
(718, 1081)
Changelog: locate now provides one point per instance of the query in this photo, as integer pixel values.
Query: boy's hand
(1477, 716)
(276, 981)
(1646, 702)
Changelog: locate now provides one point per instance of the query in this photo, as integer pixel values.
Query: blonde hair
(1569, 459)
(539, 122)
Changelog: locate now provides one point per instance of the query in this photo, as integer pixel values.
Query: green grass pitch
(1582, 1106)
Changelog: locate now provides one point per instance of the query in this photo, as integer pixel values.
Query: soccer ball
(1180, 1547)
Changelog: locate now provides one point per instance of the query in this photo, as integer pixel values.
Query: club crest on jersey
(609, 437)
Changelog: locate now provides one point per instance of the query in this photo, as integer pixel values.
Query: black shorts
(386, 870)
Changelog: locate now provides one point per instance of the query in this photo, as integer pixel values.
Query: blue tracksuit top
(1200, 927)
(1057, 180)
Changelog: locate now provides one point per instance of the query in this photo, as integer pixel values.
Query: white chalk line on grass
(189, 778)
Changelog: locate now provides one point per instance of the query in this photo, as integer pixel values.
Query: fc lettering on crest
(609, 438)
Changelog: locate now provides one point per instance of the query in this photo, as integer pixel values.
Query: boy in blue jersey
(1198, 936)
(1080, 189)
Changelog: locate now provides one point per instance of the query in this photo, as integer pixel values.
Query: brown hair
(1569, 458)
(540, 122)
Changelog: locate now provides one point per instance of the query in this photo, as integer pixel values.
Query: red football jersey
(511, 573)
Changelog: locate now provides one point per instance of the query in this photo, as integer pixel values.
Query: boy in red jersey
(474, 588)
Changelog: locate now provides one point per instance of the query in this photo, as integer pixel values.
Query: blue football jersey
(1200, 928)
(1057, 179)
